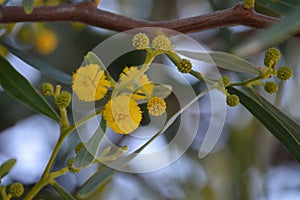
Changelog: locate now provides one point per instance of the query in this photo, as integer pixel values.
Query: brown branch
(88, 13)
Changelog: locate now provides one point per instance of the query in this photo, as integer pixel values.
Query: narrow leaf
(282, 6)
(6, 167)
(223, 60)
(43, 67)
(18, 87)
(90, 151)
(278, 123)
(28, 6)
(62, 192)
(285, 29)
(100, 178)
(5, 2)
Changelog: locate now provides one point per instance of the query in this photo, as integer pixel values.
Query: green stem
(249, 4)
(246, 83)
(60, 172)
(3, 193)
(64, 122)
(36, 188)
(45, 177)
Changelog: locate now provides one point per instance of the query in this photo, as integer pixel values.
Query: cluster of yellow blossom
(122, 112)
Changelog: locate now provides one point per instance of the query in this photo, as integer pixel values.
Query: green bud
(284, 73)
(225, 81)
(63, 99)
(46, 89)
(232, 100)
(271, 87)
(272, 56)
(184, 66)
(16, 189)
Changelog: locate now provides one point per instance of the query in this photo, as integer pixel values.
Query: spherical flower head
(156, 106)
(63, 99)
(225, 81)
(16, 189)
(271, 87)
(141, 84)
(232, 100)
(272, 56)
(162, 42)
(71, 168)
(184, 66)
(122, 114)
(89, 83)
(47, 89)
(284, 73)
(140, 41)
(46, 42)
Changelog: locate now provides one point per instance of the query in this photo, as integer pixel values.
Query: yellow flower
(156, 106)
(122, 114)
(141, 86)
(46, 42)
(89, 83)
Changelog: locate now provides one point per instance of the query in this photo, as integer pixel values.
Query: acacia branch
(88, 13)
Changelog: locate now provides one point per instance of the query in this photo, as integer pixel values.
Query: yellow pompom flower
(122, 114)
(156, 106)
(162, 42)
(46, 41)
(140, 41)
(90, 83)
(141, 83)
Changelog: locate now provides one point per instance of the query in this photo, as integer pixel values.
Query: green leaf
(100, 178)
(223, 60)
(18, 87)
(6, 167)
(279, 124)
(43, 67)
(5, 2)
(89, 153)
(276, 34)
(62, 192)
(28, 6)
(281, 6)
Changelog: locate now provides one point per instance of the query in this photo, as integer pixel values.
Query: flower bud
(284, 73)
(16, 189)
(46, 89)
(63, 99)
(184, 66)
(232, 100)
(271, 87)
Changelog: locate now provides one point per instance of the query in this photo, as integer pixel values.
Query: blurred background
(247, 162)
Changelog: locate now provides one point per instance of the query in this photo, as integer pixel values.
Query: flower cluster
(121, 111)
(161, 42)
(62, 99)
(271, 59)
